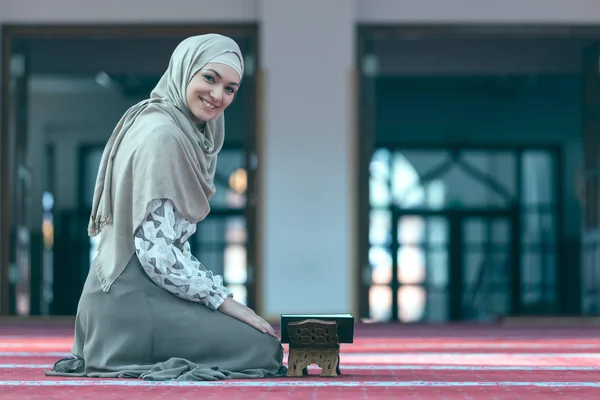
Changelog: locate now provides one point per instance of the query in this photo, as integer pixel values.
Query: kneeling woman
(149, 309)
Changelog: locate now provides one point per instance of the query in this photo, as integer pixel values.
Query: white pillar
(307, 51)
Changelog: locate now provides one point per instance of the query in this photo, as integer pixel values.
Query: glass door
(463, 234)
(444, 266)
(410, 274)
(423, 268)
(486, 281)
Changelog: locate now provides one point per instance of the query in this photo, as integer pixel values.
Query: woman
(149, 309)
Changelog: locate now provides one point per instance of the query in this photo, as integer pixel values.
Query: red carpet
(385, 362)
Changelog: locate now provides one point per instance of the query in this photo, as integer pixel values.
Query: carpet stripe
(356, 355)
(34, 354)
(393, 367)
(364, 347)
(298, 383)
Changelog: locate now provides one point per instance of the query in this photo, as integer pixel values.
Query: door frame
(9, 32)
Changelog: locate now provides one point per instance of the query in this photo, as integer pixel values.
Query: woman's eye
(230, 90)
(209, 78)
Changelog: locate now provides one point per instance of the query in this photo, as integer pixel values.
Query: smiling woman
(149, 309)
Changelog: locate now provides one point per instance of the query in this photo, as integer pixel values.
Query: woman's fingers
(273, 333)
(258, 325)
(268, 327)
(254, 320)
(264, 326)
(247, 315)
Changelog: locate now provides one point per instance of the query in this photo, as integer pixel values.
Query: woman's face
(211, 90)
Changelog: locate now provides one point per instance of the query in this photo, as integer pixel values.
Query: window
(426, 205)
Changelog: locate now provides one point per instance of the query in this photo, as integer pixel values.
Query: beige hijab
(158, 150)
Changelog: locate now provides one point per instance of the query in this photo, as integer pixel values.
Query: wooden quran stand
(313, 341)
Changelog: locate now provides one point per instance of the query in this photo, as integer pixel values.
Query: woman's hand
(241, 312)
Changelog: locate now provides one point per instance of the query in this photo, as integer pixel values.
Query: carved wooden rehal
(314, 341)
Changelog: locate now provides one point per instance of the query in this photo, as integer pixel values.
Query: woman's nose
(216, 94)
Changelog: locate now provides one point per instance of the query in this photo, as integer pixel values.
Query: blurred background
(420, 162)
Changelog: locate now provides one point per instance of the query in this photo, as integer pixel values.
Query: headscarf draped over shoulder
(159, 150)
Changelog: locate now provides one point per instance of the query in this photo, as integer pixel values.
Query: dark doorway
(46, 193)
(530, 91)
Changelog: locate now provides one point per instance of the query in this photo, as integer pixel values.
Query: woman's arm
(162, 256)
(217, 279)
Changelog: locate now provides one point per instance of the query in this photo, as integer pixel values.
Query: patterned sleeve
(217, 279)
(167, 259)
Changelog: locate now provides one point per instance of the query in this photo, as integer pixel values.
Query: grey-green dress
(151, 326)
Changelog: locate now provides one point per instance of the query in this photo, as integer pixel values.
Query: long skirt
(139, 330)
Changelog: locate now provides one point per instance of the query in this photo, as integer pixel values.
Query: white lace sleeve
(162, 248)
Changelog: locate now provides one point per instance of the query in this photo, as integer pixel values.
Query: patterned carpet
(385, 362)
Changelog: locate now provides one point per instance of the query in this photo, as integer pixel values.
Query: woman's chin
(204, 116)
